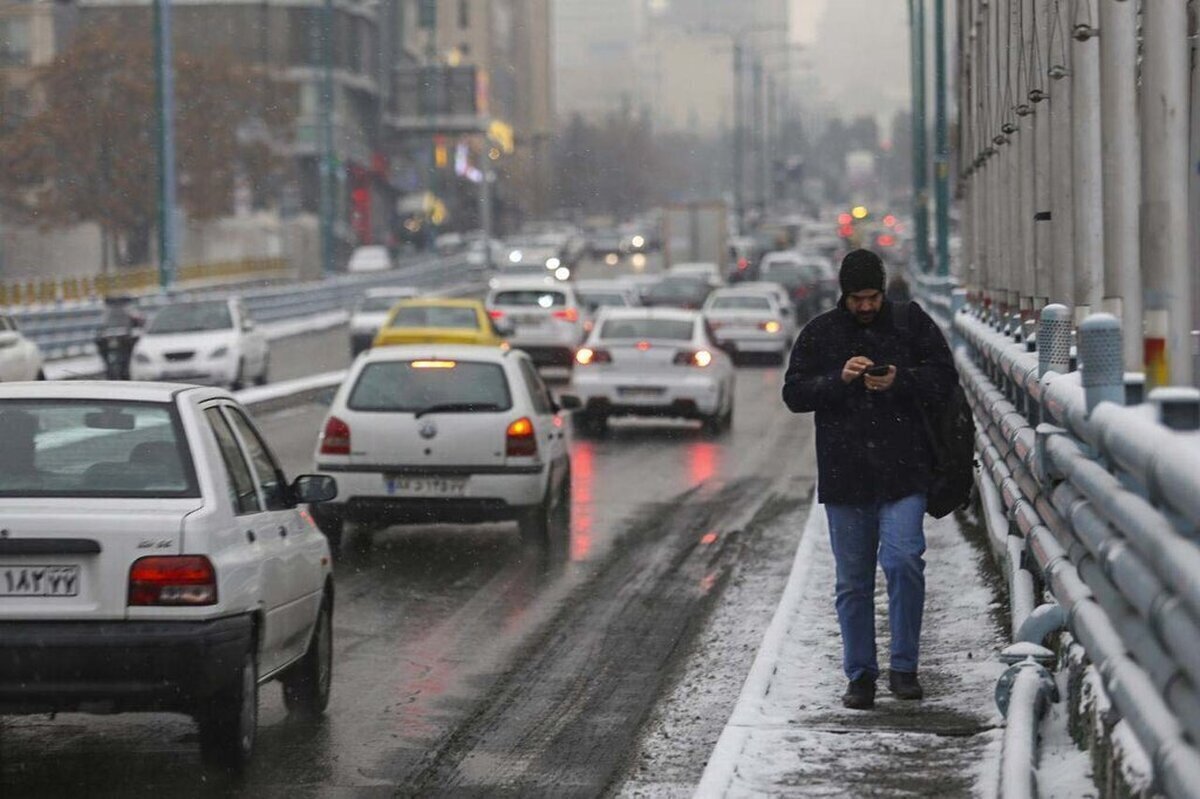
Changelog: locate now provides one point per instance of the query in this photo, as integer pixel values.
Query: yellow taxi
(438, 321)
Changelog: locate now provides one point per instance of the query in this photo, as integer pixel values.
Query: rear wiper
(451, 407)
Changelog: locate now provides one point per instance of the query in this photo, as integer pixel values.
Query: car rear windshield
(657, 329)
(600, 299)
(191, 317)
(411, 386)
(72, 448)
(741, 304)
(678, 290)
(435, 316)
(530, 298)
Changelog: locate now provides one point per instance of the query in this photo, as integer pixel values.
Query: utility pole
(322, 36)
(760, 176)
(739, 201)
(916, 13)
(164, 74)
(942, 155)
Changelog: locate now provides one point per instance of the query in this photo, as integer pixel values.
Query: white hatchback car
(651, 362)
(542, 317)
(749, 321)
(20, 358)
(372, 311)
(428, 433)
(154, 557)
(210, 342)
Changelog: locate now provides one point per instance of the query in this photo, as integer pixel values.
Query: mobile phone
(879, 371)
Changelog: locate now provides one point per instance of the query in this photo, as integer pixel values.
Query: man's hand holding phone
(879, 378)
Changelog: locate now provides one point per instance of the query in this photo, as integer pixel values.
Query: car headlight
(553, 263)
(141, 357)
(220, 352)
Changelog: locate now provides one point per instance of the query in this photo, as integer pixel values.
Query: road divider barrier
(1090, 490)
(66, 329)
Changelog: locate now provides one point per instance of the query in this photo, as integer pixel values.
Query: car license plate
(425, 486)
(39, 580)
(640, 391)
(530, 320)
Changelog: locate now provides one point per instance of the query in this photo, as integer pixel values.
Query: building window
(14, 42)
(464, 13)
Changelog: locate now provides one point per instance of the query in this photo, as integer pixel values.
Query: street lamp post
(322, 36)
(165, 88)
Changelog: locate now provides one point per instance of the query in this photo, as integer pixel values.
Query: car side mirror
(248, 325)
(314, 488)
(569, 402)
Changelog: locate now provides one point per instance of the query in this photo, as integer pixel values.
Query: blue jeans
(891, 532)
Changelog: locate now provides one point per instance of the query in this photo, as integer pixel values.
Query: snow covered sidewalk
(789, 734)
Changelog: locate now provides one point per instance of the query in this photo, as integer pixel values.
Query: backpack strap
(902, 316)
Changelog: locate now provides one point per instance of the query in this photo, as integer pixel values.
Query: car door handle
(250, 536)
(282, 531)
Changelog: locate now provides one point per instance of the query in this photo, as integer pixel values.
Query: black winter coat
(871, 446)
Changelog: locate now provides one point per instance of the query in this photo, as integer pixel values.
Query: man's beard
(865, 317)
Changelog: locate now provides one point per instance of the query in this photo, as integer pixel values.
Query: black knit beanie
(862, 270)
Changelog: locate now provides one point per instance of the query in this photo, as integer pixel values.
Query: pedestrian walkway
(789, 734)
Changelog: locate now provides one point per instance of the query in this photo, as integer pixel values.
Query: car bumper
(206, 373)
(548, 354)
(118, 666)
(752, 342)
(648, 395)
(364, 495)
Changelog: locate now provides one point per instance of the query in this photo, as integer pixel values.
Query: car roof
(121, 390)
(614, 312)
(694, 265)
(508, 284)
(445, 302)
(453, 352)
(739, 291)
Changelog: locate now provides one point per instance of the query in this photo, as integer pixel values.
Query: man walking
(863, 371)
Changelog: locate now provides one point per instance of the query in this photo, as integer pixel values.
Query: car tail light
(567, 314)
(586, 356)
(496, 314)
(800, 292)
(743, 264)
(699, 358)
(335, 438)
(520, 440)
(771, 326)
(172, 580)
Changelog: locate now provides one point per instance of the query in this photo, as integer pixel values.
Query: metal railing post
(1103, 375)
(1054, 340)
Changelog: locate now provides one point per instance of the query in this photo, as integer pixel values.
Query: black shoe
(905, 685)
(860, 694)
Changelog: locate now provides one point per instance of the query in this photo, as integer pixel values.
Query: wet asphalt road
(466, 663)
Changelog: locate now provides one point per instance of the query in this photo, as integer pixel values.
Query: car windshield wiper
(451, 407)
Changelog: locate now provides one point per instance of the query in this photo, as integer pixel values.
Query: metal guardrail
(67, 329)
(1095, 491)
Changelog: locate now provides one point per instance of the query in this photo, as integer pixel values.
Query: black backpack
(951, 431)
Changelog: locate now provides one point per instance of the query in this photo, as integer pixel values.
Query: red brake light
(172, 580)
(496, 314)
(569, 314)
(642, 346)
(335, 438)
(520, 440)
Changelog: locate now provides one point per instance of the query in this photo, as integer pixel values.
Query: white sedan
(20, 358)
(750, 321)
(651, 362)
(445, 433)
(211, 342)
(372, 311)
(155, 557)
